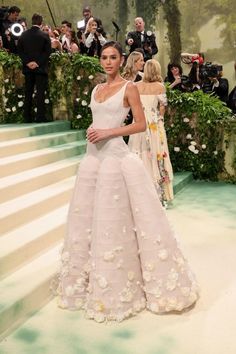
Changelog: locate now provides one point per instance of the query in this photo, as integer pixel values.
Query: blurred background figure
(140, 38)
(73, 46)
(174, 74)
(151, 146)
(133, 71)
(34, 48)
(94, 37)
(8, 38)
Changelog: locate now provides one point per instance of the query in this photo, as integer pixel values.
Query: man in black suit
(140, 38)
(34, 48)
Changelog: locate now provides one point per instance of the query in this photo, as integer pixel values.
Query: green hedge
(196, 124)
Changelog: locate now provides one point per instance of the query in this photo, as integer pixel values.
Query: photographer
(213, 82)
(174, 76)
(9, 40)
(94, 37)
(142, 39)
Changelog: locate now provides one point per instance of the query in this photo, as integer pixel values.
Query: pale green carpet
(204, 216)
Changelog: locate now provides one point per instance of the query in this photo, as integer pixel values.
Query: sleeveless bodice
(106, 115)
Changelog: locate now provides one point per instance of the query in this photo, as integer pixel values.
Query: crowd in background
(89, 37)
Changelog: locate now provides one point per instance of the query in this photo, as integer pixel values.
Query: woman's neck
(112, 80)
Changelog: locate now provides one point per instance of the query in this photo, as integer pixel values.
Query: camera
(208, 70)
(185, 81)
(99, 30)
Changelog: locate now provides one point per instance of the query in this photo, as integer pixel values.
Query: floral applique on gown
(120, 254)
(151, 146)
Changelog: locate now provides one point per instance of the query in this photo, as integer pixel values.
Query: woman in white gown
(120, 254)
(151, 146)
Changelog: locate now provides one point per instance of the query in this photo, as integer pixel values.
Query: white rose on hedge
(176, 149)
(191, 148)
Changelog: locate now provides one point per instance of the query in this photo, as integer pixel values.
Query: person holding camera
(94, 37)
(174, 76)
(220, 86)
(8, 39)
(142, 39)
(34, 47)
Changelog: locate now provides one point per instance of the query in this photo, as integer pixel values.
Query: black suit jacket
(34, 45)
(149, 41)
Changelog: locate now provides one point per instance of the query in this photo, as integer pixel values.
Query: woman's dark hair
(100, 28)
(113, 44)
(170, 77)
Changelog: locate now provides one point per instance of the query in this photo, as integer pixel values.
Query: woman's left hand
(96, 135)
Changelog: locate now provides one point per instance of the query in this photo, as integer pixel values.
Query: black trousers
(38, 81)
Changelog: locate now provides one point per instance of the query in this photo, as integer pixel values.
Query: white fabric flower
(116, 197)
(91, 77)
(5, 99)
(102, 282)
(84, 103)
(215, 152)
(35, 109)
(6, 80)
(46, 101)
(20, 104)
(19, 96)
(176, 149)
(77, 99)
(99, 317)
(130, 275)
(8, 109)
(154, 307)
(147, 276)
(203, 146)
(163, 254)
(196, 151)
(108, 256)
(189, 136)
(149, 266)
(69, 290)
(78, 116)
(78, 78)
(193, 143)
(186, 120)
(13, 109)
(126, 295)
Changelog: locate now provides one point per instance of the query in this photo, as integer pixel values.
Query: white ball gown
(120, 254)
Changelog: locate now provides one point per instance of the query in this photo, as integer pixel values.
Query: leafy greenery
(195, 124)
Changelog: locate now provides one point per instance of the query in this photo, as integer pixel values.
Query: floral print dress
(151, 146)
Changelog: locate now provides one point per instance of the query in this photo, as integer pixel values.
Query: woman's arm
(132, 99)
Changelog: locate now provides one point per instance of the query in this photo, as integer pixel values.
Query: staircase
(38, 163)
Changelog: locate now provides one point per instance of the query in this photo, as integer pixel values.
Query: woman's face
(175, 71)
(139, 64)
(111, 60)
(94, 26)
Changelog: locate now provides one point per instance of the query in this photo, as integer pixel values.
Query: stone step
(24, 182)
(23, 244)
(17, 131)
(27, 290)
(19, 211)
(181, 179)
(21, 162)
(19, 146)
